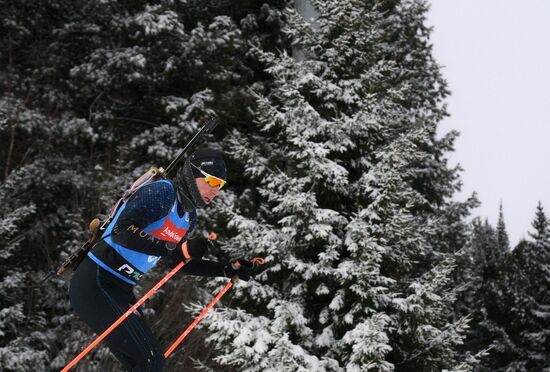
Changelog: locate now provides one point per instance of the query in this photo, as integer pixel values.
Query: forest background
(337, 176)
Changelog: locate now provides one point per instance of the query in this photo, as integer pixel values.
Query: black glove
(241, 267)
(197, 247)
(192, 248)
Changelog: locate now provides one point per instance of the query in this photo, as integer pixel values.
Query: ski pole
(199, 318)
(255, 261)
(124, 316)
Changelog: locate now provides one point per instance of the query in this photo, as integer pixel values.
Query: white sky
(496, 57)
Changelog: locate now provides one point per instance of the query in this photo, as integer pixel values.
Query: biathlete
(153, 223)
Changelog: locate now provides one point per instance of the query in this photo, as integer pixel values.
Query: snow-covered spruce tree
(541, 226)
(506, 299)
(344, 183)
(511, 316)
(503, 242)
(526, 315)
(487, 314)
(538, 335)
(15, 351)
(40, 157)
(480, 286)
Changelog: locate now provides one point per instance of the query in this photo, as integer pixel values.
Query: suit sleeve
(200, 267)
(149, 204)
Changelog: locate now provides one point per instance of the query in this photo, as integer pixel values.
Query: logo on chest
(169, 232)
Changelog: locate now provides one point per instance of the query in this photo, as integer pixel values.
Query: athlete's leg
(100, 302)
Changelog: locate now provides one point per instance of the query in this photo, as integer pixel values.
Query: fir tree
(39, 169)
(503, 242)
(478, 296)
(349, 180)
(537, 332)
(541, 227)
(508, 299)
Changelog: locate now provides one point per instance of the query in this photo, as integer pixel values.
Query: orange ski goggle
(211, 180)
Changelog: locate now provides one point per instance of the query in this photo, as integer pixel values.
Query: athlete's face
(208, 193)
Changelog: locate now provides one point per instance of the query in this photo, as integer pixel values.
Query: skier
(154, 222)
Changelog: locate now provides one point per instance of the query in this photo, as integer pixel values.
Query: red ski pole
(124, 316)
(199, 318)
(255, 261)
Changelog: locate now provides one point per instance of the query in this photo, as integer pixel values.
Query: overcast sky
(496, 57)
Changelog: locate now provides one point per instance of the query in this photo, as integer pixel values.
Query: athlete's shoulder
(161, 189)
(164, 185)
(157, 197)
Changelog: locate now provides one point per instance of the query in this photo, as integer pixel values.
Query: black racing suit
(100, 298)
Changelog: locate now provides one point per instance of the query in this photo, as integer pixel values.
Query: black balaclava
(211, 162)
